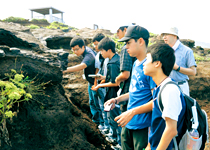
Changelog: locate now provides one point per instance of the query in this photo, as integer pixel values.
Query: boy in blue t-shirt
(134, 135)
(168, 123)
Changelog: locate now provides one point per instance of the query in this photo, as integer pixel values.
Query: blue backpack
(202, 122)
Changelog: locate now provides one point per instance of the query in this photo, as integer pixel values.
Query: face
(120, 33)
(132, 47)
(104, 53)
(96, 45)
(169, 39)
(77, 50)
(149, 67)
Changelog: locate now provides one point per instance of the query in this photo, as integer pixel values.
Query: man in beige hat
(185, 62)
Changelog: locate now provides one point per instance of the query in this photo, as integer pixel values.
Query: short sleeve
(171, 102)
(88, 59)
(126, 61)
(190, 59)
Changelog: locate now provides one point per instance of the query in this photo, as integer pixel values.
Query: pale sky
(191, 17)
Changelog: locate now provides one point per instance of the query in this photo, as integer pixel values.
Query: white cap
(173, 31)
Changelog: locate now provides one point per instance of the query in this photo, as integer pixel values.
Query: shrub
(15, 19)
(32, 26)
(39, 21)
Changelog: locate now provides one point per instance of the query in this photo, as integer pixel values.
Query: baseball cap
(172, 30)
(135, 32)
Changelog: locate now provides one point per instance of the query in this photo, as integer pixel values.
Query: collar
(176, 45)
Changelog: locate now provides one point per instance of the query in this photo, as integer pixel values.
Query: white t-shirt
(98, 63)
(171, 100)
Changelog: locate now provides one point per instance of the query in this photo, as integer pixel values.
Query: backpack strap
(160, 104)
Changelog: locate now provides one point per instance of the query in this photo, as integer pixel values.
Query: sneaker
(108, 134)
(111, 140)
(116, 147)
(105, 131)
(100, 127)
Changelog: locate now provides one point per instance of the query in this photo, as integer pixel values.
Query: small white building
(48, 11)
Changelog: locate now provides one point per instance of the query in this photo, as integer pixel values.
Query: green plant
(15, 19)
(32, 26)
(119, 45)
(14, 88)
(39, 21)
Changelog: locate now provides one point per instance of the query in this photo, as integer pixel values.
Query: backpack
(189, 119)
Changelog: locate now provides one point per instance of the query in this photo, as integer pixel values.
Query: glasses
(76, 49)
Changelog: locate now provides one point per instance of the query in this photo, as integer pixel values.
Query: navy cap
(135, 32)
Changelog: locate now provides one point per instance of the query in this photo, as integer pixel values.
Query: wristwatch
(178, 68)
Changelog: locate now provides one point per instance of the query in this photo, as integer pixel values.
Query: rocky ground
(60, 118)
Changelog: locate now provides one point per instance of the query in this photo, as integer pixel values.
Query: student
(126, 64)
(185, 62)
(101, 68)
(135, 134)
(88, 64)
(167, 124)
(107, 47)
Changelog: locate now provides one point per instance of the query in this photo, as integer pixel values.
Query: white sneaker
(111, 140)
(109, 134)
(100, 127)
(105, 131)
(116, 147)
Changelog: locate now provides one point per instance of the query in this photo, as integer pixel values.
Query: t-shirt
(139, 94)
(113, 70)
(101, 64)
(89, 60)
(173, 107)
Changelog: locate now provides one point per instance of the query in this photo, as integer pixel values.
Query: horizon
(190, 17)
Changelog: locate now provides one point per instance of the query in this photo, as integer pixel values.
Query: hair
(165, 54)
(122, 28)
(77, 41)
(106, 44)
(98, 37)
(145, 40)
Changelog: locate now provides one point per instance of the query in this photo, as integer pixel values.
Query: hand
(117, 81)
(100, 77)
(111, 101)
(175, 66)
(95, 88)
(148, 147)
(124, 118)
(65, 72)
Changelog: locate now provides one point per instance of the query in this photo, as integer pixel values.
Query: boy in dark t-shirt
(107, 47)
(88, 64)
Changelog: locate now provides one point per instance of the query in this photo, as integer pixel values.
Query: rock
(187, 42)
(2, 54)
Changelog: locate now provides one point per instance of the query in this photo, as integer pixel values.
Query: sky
(191, 17)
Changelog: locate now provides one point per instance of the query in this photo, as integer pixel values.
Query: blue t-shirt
(139, 94)
(184, 58)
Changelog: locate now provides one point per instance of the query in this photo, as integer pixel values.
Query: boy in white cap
(185, 62)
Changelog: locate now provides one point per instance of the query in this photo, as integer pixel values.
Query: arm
(116, 100)
(168, 134)
(124, 75)
(75, 68)
(187, 71)
(109, 84)
(95, 80)
(125, 117)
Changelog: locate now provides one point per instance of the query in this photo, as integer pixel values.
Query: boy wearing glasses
(88, 64)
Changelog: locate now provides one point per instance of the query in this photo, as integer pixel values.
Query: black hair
(165, 54)
(145, 40)
(77, 41)
(98, 37)
(122, 28)
(106, 44)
